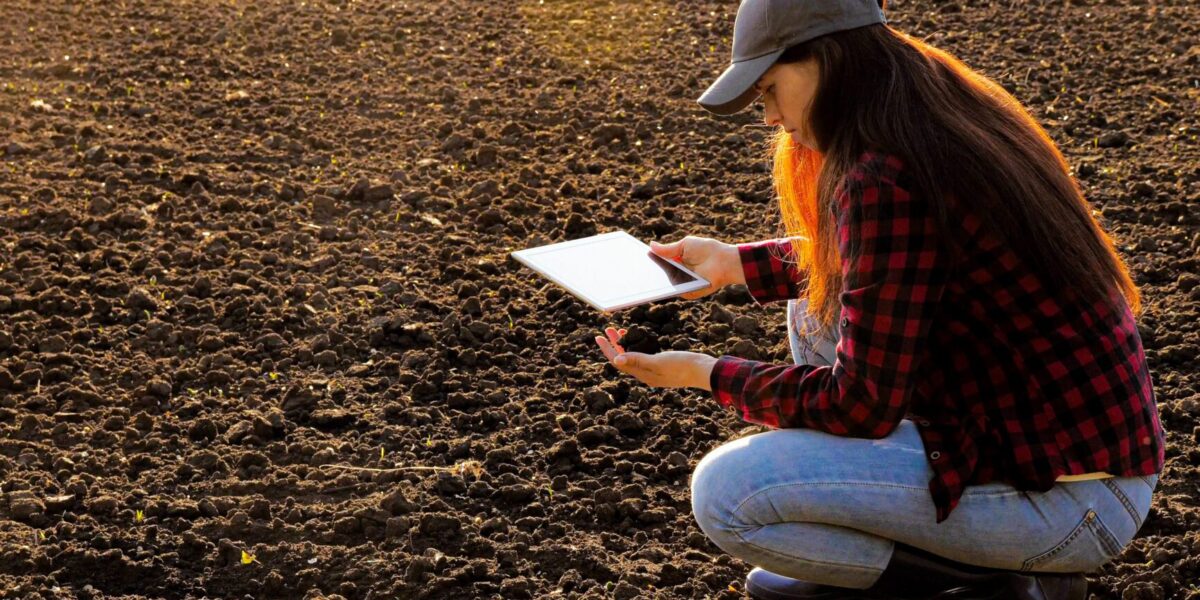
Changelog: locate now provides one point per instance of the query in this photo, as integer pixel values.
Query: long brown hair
(957, 132)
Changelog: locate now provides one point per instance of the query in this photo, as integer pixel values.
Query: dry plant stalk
(474, 467)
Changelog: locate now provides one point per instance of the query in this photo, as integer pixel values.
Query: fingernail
(620, 360)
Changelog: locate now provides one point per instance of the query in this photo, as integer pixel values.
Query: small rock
(323, 207)
(626, 591)
(25, 506)
(103, 505)
(486, 156)
(59, 503)
(456, 141)
(745, 325)
(158, 387)
(489, 217)
(439, 524)
(95, 154)
(397, 503)
(99, 205)
(52, 344)
(298, 399)
(238, 431)
(1143, 590)
(138, 299)
(208, 508)
(333, 417)
(627, 423)
(595, 434)
(1142, 189)
(202, 429)
(450, 484)
(378, 192)
(598, 400)
(346, 525)
(1113, 139)
(610, 134)
(516, 587)
(517, 493)
(745, 349)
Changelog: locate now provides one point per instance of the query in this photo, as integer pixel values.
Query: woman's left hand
(665, 369)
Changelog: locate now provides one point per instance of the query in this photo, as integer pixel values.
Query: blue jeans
(827, 509)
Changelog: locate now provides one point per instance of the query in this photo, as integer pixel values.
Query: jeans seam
(1106, 536)
(1029, 563)
(1146, 480)
(790, 557)
(1120, 494)
(738, 508)
(1101, 532)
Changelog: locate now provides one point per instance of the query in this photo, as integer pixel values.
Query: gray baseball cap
(763, 29)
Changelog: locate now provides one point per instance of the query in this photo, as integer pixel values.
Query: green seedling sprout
(248, 558)
(139, 516)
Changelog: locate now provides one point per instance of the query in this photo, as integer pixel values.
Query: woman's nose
(770, 116)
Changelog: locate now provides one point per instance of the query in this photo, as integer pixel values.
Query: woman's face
(787, 92)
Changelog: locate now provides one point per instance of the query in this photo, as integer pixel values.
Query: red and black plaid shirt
(1008, 377)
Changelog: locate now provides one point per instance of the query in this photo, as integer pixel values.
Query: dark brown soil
(255, 294)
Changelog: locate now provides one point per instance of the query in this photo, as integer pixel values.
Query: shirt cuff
(768, 277)
(728, 379)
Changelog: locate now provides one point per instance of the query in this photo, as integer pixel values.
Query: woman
(970, 414)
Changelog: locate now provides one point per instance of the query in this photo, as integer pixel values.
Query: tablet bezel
(526, 257)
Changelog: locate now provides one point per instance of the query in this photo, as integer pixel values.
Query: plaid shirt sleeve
(894, 274)
(770, 269)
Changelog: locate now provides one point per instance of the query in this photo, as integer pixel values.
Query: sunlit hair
(958, 133)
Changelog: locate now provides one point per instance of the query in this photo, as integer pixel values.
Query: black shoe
(914, 574)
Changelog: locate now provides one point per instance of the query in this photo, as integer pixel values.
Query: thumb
(673, 250)
(627, 360)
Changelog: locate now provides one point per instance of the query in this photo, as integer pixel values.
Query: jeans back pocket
(1089, 545)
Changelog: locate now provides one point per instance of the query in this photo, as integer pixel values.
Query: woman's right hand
(715, 261)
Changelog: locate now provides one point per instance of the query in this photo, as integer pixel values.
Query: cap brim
(734, 89)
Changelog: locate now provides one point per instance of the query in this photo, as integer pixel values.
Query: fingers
(615, 337)
(606, 347)
(609, 345)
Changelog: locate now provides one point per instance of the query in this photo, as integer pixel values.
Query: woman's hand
(715, 261)
(665, 369)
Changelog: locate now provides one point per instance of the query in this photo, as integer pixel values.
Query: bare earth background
(249, 249)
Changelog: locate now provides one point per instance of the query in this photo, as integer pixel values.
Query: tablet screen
(609, 269)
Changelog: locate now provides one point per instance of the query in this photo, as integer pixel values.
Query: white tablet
(611, 271)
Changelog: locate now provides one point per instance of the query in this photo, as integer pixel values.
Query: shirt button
(935, 455)
(845, 322)
(923, 422)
